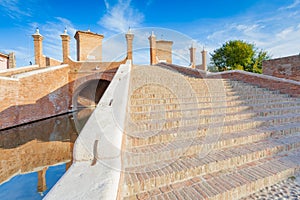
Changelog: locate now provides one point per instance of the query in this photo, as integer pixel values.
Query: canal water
(34, 156)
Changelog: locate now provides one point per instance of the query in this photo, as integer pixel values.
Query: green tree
(240, 55)
(257, 61)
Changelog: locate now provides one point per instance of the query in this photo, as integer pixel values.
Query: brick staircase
(197, 138)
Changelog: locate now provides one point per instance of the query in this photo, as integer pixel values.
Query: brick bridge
(52, 87)
(255, 119)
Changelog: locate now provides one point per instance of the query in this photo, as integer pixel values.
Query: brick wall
(284, 86)
(3, 61)
(34, 95)
(50, 61)
(287, 67)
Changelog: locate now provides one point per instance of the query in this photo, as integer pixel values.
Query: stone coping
(96, 169)
(254, 74)
(210, 74)
(12, 71)
(39, 71)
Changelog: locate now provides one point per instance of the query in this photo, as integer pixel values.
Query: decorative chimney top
(129, 31)
(152, 34)
(37, 31)
(65, 31)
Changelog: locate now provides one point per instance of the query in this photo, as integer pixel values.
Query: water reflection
(32, 150)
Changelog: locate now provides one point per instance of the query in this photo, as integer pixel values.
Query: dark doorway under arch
(90, 93)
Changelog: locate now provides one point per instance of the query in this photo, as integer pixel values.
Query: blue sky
(270, 25)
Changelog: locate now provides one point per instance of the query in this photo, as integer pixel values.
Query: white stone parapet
(95, 172)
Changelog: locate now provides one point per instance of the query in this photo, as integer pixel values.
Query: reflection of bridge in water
(36, 146)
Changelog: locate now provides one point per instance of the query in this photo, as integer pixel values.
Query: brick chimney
(89, 45)
(152, 40)
(204, 64)
(193, 56)
(11, 60)
(129, 38)
(38, 47)
(65, 38)
(164, 50)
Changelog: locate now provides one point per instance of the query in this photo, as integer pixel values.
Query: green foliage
(239, 55)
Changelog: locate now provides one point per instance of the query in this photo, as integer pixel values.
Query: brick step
(155, 73)
(179, 93)
(183, 105)
(189, 146)
(271, 100)
(250, 96)
(168, 116)
(270, 105)
(173, 149)
(257, 91)
(161, 92)
(151, 128)
(212, 100)
(283, 129)
(152, 80)
(196, 104)
(242, 89)
(209, 86)
(189, 132)
(279, 119)
(233, 184)
(206, 98)
(148, 177)
(217, 109)
(240, 85)
(277, 111)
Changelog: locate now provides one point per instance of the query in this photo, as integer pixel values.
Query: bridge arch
(89, 93)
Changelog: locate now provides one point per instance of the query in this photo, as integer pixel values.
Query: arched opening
(89, 94)
(85, 99)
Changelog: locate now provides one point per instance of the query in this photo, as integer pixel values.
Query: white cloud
(106, 4)
(284, 43)
(285, 33)
(14, 9)
(121, 16)
(291, 6)
(276, 31)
